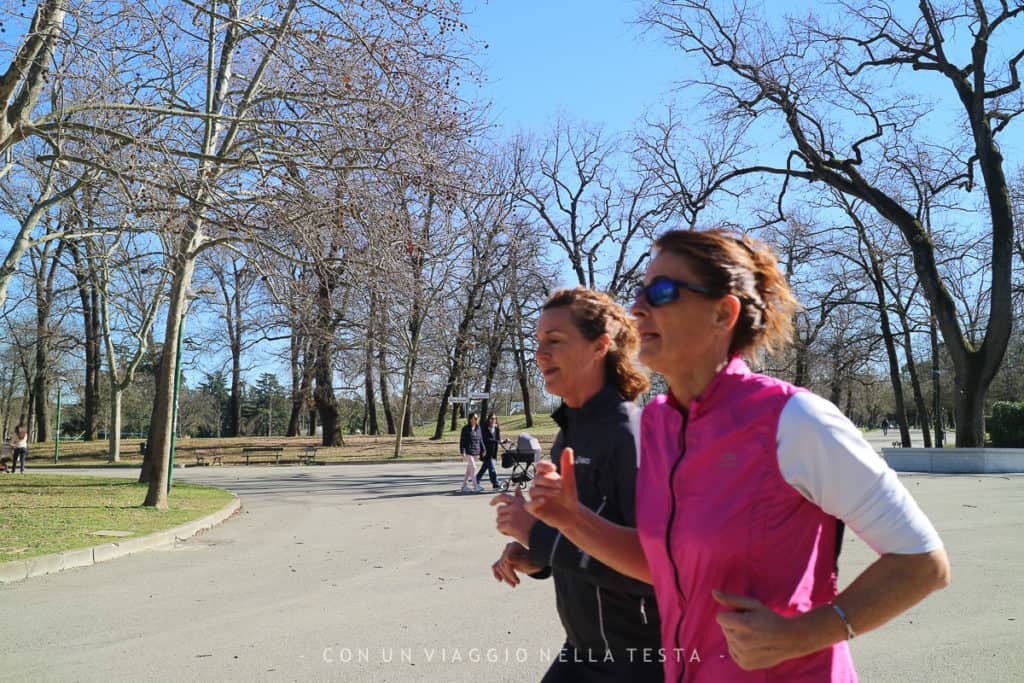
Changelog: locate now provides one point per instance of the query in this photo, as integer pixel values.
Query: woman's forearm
(887, 588)
(892, 585)
(615, 545)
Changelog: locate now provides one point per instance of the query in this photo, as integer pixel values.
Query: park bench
(209, 458)
(263, 451)
(308, 455)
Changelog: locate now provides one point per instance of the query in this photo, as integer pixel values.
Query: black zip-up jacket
(601, 609)
(471, 441)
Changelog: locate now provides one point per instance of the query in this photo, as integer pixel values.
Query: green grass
(357, 447)
(45, 513)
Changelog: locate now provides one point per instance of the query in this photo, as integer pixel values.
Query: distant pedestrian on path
(492, 437)
(885, 426)
(19, 442)
(471, 447)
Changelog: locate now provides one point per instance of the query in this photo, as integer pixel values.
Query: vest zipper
(671, 523)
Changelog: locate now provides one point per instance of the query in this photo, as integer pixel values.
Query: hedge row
(1006, 425)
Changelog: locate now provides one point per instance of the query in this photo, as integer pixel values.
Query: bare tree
(236, 283)
(130, 291)
(24, 81)
(845, 128)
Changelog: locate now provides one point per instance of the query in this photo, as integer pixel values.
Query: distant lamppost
(190, 296)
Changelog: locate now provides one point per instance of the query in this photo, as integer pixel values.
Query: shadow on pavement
(379, 485)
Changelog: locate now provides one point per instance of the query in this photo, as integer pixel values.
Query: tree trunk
(326, 403)
(114, 432)
(407, 430)
(915, 384)
(407, 376)
(323, 394)
(93, 370)
(895, 379)
(89, 300)
(298, 396)
(835, 385)
(27, 417)
(970, 419)
(800, 364)
(368, 392)
(458, 408)
(41, 394)
(235, 399)
(162, 422)
(940, 435)
(454, 375)
(385, 399)
(524, 383)
(456, 370)
(40, 380)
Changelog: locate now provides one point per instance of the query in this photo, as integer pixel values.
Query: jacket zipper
(643, 610)
(671, 523)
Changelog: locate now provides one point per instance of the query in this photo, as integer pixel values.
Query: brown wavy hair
(594, 314)
(729, 262)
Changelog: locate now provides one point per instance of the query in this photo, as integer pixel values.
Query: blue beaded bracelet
(846, 622)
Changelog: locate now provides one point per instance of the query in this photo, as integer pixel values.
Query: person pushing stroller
(492, 438)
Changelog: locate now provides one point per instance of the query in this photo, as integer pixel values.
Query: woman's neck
(584, 390)
(686, 385)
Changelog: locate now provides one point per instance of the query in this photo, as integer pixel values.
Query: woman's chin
(649, 356)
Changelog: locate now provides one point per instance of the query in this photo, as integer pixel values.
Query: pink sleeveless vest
(714, 512)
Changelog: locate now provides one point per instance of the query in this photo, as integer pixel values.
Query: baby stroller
(520, 459)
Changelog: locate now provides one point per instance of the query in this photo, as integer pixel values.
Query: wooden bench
(308, 455)
(262, 451)
(209, 458)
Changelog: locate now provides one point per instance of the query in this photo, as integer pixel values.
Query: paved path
(380, 573)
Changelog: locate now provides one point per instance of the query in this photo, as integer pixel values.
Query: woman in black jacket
(585, 346)
(492, 437)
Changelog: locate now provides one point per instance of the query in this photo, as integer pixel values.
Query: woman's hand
(512, 518)
(514, 558)
(757, 636)
(553, 498)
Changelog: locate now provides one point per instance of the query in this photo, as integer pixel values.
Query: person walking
(736, 466)
(585, 348)
(19, 446)
(492, 437)
(471, 447)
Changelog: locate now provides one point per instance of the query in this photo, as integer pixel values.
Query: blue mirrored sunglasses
(665, 290)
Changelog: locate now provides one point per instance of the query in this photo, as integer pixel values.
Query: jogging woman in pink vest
(745, 484)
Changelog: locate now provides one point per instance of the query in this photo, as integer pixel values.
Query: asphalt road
(381, 573)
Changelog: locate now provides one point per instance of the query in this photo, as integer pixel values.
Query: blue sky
(589, 60)
(578, 57)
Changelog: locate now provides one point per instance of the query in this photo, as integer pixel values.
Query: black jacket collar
(605, 399)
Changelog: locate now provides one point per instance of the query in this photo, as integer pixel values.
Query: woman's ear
(727, 312)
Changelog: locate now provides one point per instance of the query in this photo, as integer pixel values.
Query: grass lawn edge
(19, 570)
